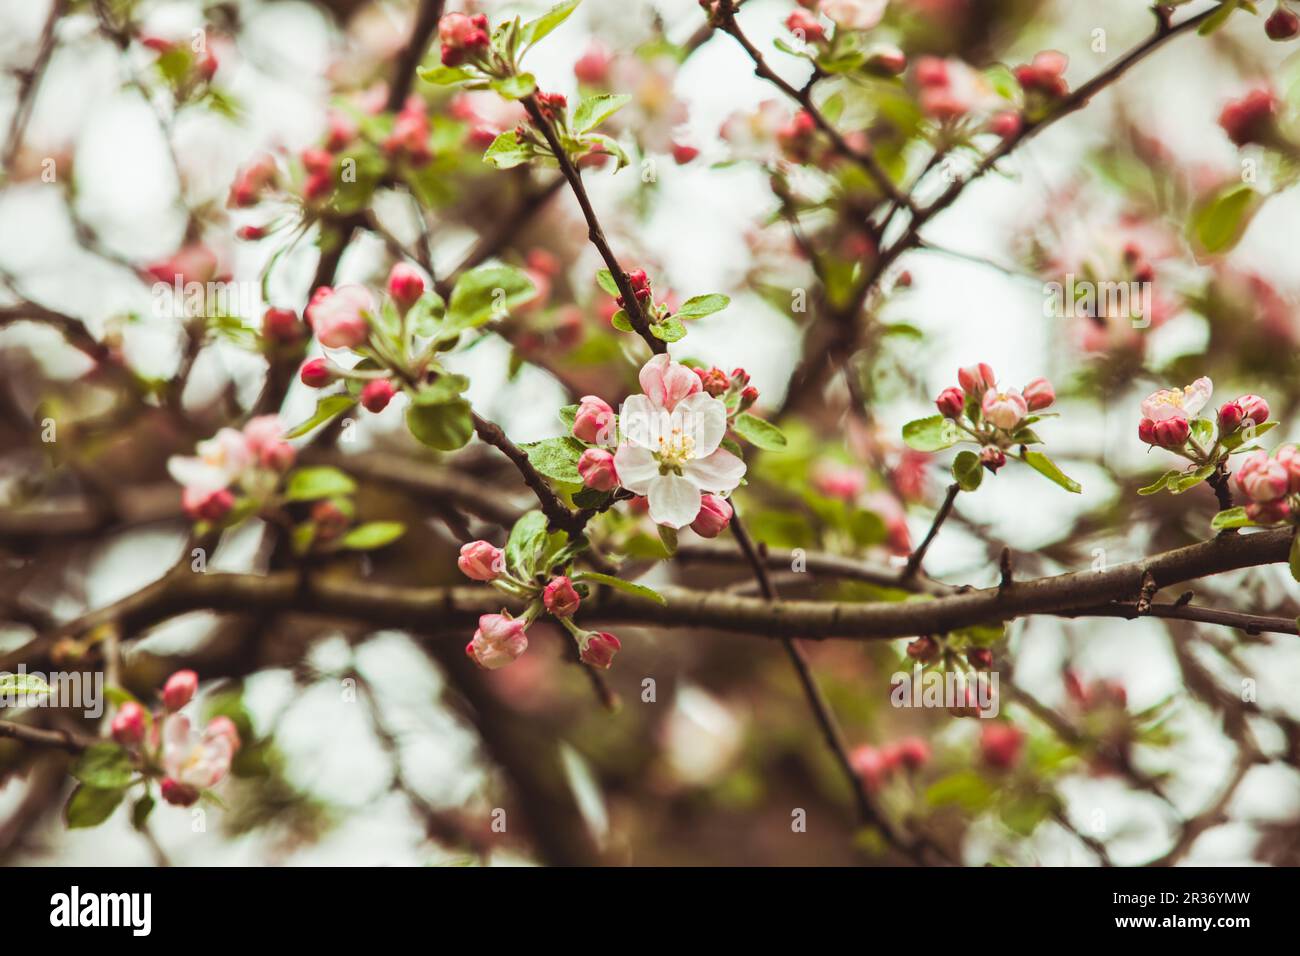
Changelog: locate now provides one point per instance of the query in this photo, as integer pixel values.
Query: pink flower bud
(870, 765)
(1263, 478)
(596, 466)
(593, 66)
(714, 380)
(975, 380)
(600, 649)
(684, 153)
(715, 515)
(980, 657)
(481, 561)
(640, 284)
(1004, 409)
(499, 640)
(341, 316)
(203, 504)
(1288, 456)
(560, 598)
(806, 26)
(252, 181)
(951, 402)
(885, 61)
(1230, 417)
(913, 752)
(282, 325)
(180, 689)
(264, 438)
(1005, 124)
(462, 37)
(1268, 512)
(1147, 431)
(329, 519)
(250, 233)
(1045, 74)
(1000, 744)
(178, 794)
(316, 373)
(1039, 394)
(1251, 119)
(1254, 408)
(923, 649)
(1172, 432)
(992, 458)
(594, 421)
(128, 724)
(666, 382)
(1282, 24)
(377, 394)
(748, 396)
(405, 285)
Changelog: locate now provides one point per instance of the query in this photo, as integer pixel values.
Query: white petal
(193, 473)
(674, 501)
(704, 418)
(636, 468)
(640, 421)
(720, 471)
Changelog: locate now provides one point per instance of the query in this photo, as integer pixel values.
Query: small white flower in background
(670, 438)
(194, 762)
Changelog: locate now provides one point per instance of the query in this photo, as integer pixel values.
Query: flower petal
(194, 473)
(641, 421)
(704, 418)
(720, 471)
(674, 501)
(651, 378)
(636, 467)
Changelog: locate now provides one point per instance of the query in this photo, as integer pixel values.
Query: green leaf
(701, 305)
(668, 536)
(329, 407)
(621, 322)
(445, 75)
(762, 434)
(1231, 518)
(1219, 222)
(90, 806)
(1294, 559)
(105, 766)
(1160, 482)
(967, 470)
(320, 481)
(526, 537)
(605, 279)
(670, 329)
(515, 87)
(1046, 467)
(22, 684)
(594, 110)
(1185, 482)
(568, 415)
(600, 143)
(966, 788)
(534, 30)
(1243, 439)
(627, 587)
(485, 293)
(445, 426)
(934, 433)
(372, 534)
(141, 810)
(506, 152)
(557, 458)
(1218, 18)
(442, 390)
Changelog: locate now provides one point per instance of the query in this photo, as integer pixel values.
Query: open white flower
(220, 462)
(671, 457)
(1178, 402)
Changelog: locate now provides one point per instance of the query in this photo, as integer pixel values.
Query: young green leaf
(320, 481)
(534, 30)
(506, 152)
(105, 766)
(327, 409)
(594, 110)
(526, 538)
(515, 87)
(627, 587)
(372, 534)
(90, 806)
(967, 470)
(445, 426)
(759, 432)
(1046, 467)
(698, 306)
(485, 293)
(1231, 518)
(17, 685)
(934, 433)
(556, 458)
(1160, 482)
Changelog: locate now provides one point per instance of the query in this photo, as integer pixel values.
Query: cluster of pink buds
(252, 181)
(990, 414)
(875, 765)
(165, 743)
(640, 284)
(464, 38)
(409, 138)
(501, 638)
(1270, 484)
(282, 326)
(805, 26)
(1044, 75)
(734, 389)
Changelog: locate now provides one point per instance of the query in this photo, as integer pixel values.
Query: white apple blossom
(1178, 402)
(673, 456)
